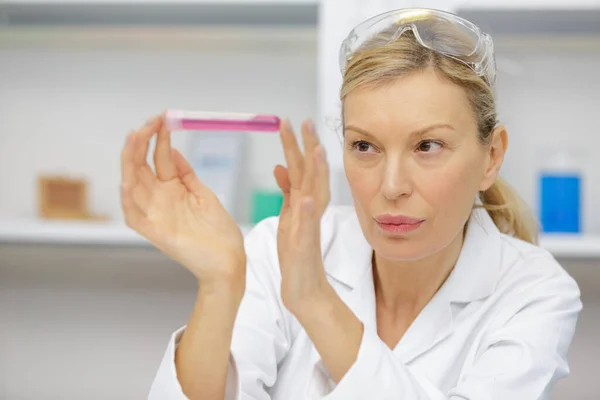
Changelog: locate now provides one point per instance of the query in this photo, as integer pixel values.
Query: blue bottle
(560, 195)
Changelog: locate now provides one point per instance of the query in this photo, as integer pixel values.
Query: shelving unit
(159, 13)
(569, 20)
(118, 234)
(498, 17)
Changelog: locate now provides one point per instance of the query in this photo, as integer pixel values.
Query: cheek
(363, 182)
(452, 189)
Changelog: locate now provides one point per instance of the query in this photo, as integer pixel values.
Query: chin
(403, 248)
(400, 249)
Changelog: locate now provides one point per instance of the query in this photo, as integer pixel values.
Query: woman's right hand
(176, 212)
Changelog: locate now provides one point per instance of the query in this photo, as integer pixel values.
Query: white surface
(68, 232)
(116, 233)
(73, 232)
(572, 246)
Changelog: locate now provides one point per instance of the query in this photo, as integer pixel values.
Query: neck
(402, 285)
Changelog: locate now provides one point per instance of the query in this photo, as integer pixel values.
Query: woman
(430, 287)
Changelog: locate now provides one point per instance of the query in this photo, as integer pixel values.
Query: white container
(216, 157)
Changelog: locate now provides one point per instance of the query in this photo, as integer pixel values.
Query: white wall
(68, 98)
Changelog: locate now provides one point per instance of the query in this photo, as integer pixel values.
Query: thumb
(283, 181)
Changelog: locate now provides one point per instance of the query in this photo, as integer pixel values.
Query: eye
(428, 146)
(362, 146)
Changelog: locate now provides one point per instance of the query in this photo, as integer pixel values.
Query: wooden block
(63, 198)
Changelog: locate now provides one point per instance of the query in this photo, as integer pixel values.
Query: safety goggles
(437, 30)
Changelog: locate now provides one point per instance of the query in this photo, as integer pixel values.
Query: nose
(396, 180)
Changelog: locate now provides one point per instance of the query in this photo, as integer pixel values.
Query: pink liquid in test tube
(178, 120)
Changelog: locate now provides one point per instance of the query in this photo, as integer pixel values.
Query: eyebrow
(417, 133)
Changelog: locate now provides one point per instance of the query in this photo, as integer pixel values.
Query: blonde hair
(381, 61)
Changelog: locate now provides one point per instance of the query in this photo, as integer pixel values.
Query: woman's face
(414, 163)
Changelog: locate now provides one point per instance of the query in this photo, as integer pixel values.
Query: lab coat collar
(347, 255)
(475, 274)
(474, 277)
(348, 258)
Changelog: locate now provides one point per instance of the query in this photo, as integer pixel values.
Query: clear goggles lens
(436, 30)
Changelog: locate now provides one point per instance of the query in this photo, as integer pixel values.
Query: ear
(495, 156)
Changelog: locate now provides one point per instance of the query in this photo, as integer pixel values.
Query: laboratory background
(87, 306)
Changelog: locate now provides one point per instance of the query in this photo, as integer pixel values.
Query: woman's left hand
(306, 194)
(305, 291)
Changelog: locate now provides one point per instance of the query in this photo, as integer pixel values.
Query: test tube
(221, 121)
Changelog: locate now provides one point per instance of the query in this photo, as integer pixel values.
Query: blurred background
(87, 306)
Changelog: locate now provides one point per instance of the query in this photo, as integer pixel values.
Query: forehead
(411, 102)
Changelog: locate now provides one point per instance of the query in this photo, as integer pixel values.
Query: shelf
(159, 13)
(118, 234)
(529, 4)
(566, 246)
(505, 17)
(68, 232)
(73, 232)
(540, 19)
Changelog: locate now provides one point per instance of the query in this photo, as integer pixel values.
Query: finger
(293, 155)
(143, 137)
(163, 158)
(128, 176)
(322, 189)
(311, 141)
(187, 175)
(283, 181)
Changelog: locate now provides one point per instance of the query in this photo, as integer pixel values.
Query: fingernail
(151, 120)
(287, 125)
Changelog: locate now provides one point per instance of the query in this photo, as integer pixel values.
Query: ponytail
(509, 212)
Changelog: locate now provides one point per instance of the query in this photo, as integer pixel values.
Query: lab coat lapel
(361, 301)
(474, 277)
(348, 260)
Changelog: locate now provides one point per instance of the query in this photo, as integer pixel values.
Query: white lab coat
(499, 328)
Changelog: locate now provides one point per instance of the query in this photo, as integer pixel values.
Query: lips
(388, 219)
(398, 224)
